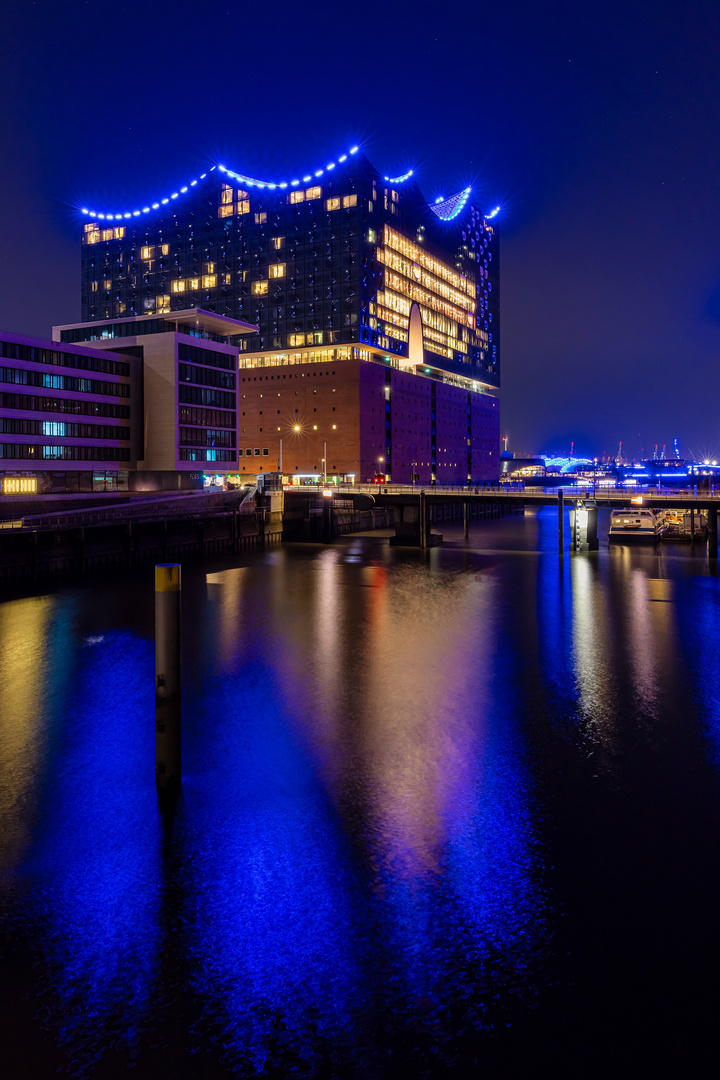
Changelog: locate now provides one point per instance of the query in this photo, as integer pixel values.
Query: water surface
(443, 813)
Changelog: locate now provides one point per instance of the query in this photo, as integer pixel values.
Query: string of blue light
(249, 181)
(454, 205)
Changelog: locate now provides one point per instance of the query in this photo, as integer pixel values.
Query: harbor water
(444, 813)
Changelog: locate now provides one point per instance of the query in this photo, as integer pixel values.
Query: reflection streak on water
(95, 863)
(24, 663)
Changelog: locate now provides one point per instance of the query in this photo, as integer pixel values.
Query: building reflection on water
(359, 854)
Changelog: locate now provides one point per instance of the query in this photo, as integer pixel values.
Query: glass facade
(338, 262)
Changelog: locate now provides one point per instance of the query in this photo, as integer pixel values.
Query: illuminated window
(226, 195)
(227, 279)
(243, 194)
(53, 428)
(278, 270)
(193, 283)
(278, 242)
(92, 234)
(293, 197)
(260, 287)
(395, 196)
(296, 339)
(225, 211)
(332, 204)
(178, 286)
(210, 268)
(147, 252)
(209, 281)
(164, 249)
(93, 286)
(260, 219)
(313, 193)
(19, 485)
(349, 200)
(107, 234)
(107, 285)
(162, 303)
(244, 206)
(372, 236)
(118, 233)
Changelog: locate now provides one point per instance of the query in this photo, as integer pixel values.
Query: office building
(188, 386)
(70, 417)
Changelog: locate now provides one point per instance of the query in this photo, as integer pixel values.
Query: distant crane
(663, 457)
(572, 449)
(676, 448)
(619, 457)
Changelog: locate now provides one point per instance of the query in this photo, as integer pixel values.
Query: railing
(143, 510)
(520, 493)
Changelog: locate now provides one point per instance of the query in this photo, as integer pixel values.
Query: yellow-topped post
(167, 677)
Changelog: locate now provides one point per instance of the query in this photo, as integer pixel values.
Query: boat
(678, 525)
(641, 523)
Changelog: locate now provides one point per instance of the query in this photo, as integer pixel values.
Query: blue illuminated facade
(330, 261)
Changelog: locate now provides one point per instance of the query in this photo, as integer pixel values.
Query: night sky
(596, 126)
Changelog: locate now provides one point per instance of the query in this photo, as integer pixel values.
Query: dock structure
(196, 525)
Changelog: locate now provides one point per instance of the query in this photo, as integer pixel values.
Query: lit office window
(53, 428)
(260, 219)
(278, 270)
(227, 279)
(278, 242)
(164, 249)
(349, 200)
(293, 197)
(296, 339)
(107, 285)
(193, 283)
(313, 193)
(260, 287)
(210, 268)
(92, 234)
(209, 281)
(93, 286)
(178, 286)
(147, 252)
(225, 211)
(226, 195)
(243, 206)
(332, 204)
(162, 303)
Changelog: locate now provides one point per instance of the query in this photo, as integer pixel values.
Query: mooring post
(423, 521)
(327, 519)
(466, 519)
(561, 522)
(712, 533)
(167, 678)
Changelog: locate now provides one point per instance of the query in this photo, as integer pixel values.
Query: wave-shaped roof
(445, 209)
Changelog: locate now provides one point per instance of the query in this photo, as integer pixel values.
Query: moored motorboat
(642, 523)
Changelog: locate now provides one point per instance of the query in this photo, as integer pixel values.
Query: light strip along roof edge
(446, 209)
(248, 180)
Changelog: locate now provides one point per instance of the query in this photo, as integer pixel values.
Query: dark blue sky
(596, 126)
